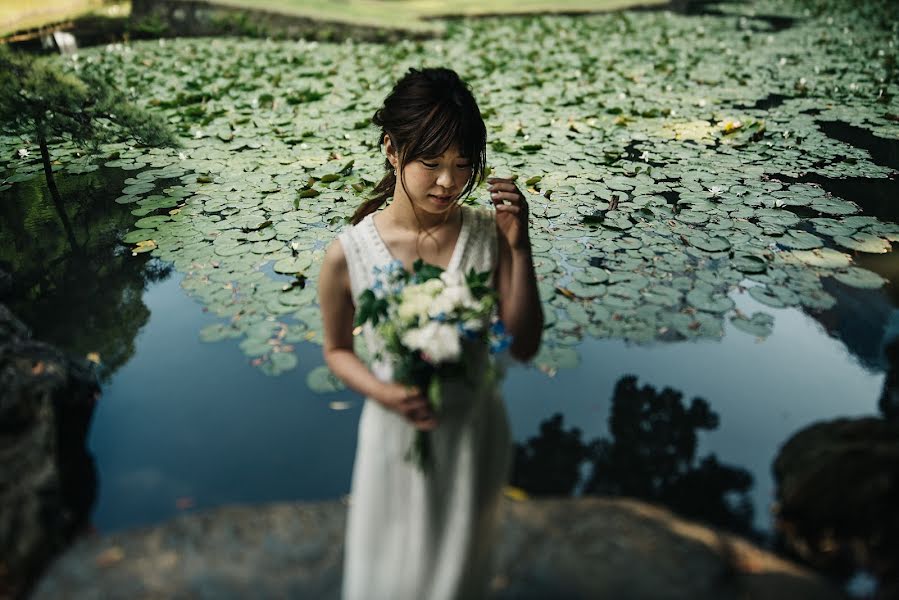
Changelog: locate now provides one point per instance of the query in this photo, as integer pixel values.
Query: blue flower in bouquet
(499, 338)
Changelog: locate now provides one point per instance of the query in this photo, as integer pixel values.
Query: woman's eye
(463, 166)
(429, 165)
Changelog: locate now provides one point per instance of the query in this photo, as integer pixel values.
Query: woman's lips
(441, 198)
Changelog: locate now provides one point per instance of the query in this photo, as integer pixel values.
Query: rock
(838, 489)
(560, 548)
(47, 478)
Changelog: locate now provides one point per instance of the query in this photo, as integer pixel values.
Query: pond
(712, 228)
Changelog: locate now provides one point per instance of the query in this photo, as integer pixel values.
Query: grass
(411, 14)
(18, 15)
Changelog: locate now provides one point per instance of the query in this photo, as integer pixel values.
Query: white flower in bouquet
(416, 300)
(439, 342)
(456, 295)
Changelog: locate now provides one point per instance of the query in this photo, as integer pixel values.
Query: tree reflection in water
(73, 282)
(651, 455)
(66, 275)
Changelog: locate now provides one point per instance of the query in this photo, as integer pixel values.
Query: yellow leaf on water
(144, 246)
(514, 493)
(730, 126)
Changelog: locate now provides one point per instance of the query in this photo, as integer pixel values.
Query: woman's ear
(390, 150)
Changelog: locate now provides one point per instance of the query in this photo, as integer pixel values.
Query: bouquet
(430, 321)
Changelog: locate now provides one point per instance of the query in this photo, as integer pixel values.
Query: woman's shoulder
(351, 230)
(335, 254)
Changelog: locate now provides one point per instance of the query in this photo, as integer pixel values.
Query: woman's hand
(409, 402)
(511, 219)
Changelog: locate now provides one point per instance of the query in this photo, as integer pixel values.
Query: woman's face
(434, 184)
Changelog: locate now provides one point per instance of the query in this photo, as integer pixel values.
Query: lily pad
(760, 325)
(860, 278)
(289, 266)
(217, 332)
(151, 222)
(864, 242)
(800, 240)
(709, 301)
(321, 380)
(278, 363)
(823, 257)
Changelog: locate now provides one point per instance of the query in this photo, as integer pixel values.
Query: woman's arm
(338, 312)
(519, 306)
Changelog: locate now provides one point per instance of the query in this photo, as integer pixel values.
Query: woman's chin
(441, 203)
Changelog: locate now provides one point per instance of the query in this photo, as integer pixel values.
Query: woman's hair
(427, 112)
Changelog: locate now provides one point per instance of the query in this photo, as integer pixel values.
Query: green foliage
(424, 271)
(38, 98)
(479, 283)
(371, 308)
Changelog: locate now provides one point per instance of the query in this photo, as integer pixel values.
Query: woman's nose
(445, 178)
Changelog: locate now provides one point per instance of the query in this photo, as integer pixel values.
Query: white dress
(425, 536)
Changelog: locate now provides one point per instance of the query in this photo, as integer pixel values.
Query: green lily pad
(322, 381)
(760, 325)
(748, 263)
(864, 242)
(151, 222)
(217, 332)
(709, 243)
(800, 240)
(709, 302)
(289, 266)
(860, 278)
(278, 363)
(823, 257)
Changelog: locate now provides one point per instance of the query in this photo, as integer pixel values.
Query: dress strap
(480, 249)
(355, 260)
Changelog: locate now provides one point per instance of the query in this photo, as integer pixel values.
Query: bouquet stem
(420, 452)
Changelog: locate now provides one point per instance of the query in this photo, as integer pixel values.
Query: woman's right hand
(409, 402)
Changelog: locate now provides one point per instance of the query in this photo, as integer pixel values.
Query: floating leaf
(289, 266)
(860, 278)
(709, 301)
(823, 257)
(322, 380)
(864, 242)
(800, 240)
(760, 324)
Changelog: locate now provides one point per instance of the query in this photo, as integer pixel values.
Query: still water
(190, 425)
(184, 425)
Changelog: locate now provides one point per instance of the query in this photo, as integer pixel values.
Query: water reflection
(651, 455)
(67, 277)
(68, 266)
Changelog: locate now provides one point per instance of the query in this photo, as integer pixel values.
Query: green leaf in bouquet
(435, 394)
(424, 271)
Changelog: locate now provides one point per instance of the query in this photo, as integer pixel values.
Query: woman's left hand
(512, 218)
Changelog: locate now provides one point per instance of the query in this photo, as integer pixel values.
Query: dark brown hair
(427, 112)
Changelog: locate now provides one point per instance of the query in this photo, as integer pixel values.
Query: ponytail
(381, 194)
